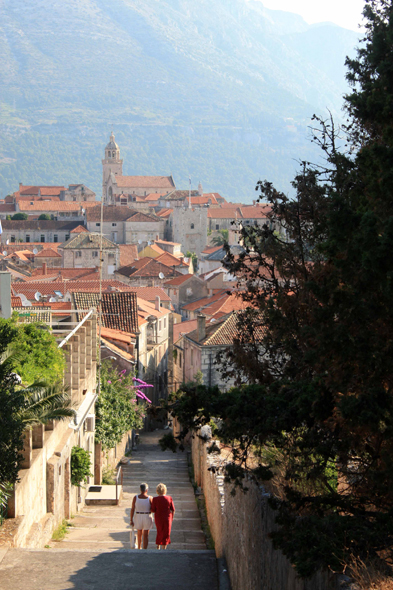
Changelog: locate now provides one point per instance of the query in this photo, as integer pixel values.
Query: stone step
(102, 569)
(97, 535)
(105, 547)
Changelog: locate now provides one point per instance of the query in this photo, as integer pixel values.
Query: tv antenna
(52, 300)
(5, 252)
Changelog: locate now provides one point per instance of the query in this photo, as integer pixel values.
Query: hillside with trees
(221, 90)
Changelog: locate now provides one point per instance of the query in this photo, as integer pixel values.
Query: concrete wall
(240, 527)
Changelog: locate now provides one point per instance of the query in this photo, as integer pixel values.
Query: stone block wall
(240, 525)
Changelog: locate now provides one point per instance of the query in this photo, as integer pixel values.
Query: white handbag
(133, 539)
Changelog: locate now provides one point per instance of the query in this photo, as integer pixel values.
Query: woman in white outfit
(143, 520)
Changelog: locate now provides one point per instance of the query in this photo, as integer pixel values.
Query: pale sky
(346, 13)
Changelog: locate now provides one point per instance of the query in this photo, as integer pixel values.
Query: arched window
(192, 226)
(110, 194)
(109, 154)
(113, 154)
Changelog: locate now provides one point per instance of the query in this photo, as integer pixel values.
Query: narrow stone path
(106, 528)
(96, 552)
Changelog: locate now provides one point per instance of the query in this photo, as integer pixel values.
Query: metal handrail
(119, 475)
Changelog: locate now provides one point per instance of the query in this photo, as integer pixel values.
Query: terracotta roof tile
(119, 310)
(211, 249)
(16, 301)
(53, 206)
(164, 182)
(48, 253)
(79, 230)
(128, 253)
(171, 260)
(44, 190)
(84, 241)
(177, 281)
(183, 328)
(147, 267)
(116, 350)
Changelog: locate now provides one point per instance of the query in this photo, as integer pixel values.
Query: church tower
(111, 164)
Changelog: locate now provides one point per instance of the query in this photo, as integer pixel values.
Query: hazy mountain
(222, 90)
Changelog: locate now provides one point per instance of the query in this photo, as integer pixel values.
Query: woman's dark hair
(144, 487)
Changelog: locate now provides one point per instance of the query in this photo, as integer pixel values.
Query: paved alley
(96, 552)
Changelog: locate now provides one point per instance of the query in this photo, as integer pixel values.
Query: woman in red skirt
(164, 509)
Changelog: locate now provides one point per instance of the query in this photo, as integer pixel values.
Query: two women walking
(163, 508)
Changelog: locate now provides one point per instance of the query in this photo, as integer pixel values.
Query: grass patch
(61, 531)
(108, 477)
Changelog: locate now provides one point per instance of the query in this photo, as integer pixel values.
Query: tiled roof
(164, 213)
(157, 249)
(39, 224)
(48, 253)
(180, 195)
(110, 213)
(153, 197)
(79, 229)
(147, 267)
(224, 213)
(177, 281)
(211, 249)
(16, 301)
(54, 206)
(20, 254)
(220, 254)
(170, 260)
(221, 333)
(150, 293)
(116, 350)
(49, 287)
(255, 211)
(145, 182)
(119, 310)
(217, 196)
(7, 208)
(128, 253)
(87, 240)
(165, 242)
(183, 328)
(44, 190)
(205, 301)
(203, 200)
(65, 273)
(144, 218)
(125, 337)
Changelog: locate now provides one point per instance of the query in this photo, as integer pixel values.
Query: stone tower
(111, 164)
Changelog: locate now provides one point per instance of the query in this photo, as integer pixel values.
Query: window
(98, 224)
(159, 326)
(192, 226)
(192, 356)
(114, 224)
(180, 360)
(111, 255)
(42, 238)
(95, 253)
(78, 254)
(164, 323)
(67, 237)
(55, 238)
(217, 226)
(27, 239)
(12, 239)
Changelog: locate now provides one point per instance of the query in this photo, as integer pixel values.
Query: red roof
(78, 230)
(16, 301)
(54, 205)
(145, 182)
(183, 328)
(177, 281)
(128, 253)
(44, 190)
(171, 260)
(211, 249)
(164, 212)
(147, 267)
(48, 253)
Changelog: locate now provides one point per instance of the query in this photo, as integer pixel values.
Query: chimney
(201, 327)
(44, 268)
(158, 303)
(253, 203)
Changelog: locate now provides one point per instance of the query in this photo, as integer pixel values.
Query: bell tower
(111, 164)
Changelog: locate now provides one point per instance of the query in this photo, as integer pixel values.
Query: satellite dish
(52, 300)
(7, 242)
(139, 242)
(5, 252)
(161, 275)
(37, 296)
(83, 211)
(35, 251)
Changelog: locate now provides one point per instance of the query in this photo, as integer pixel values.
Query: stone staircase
(96, 552)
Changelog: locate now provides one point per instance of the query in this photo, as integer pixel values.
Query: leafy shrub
(80, 466)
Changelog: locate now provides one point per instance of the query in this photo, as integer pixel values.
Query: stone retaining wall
(240, 526)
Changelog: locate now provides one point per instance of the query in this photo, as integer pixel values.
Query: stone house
(202, 346)
(77, 192)
(42, 231)
(123, 225)
(185, 289)
(56, 209)
(83, 250)
(146, 272)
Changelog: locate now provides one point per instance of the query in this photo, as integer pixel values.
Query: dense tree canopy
(313, 407)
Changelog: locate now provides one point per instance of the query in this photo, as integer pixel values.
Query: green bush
(80, 466)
